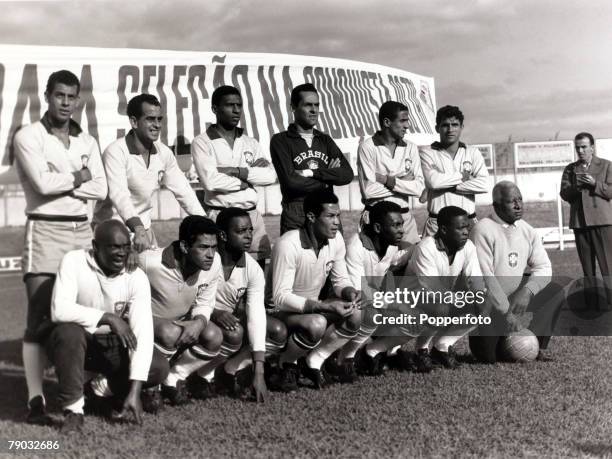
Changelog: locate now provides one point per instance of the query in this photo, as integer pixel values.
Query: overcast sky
(530, 69)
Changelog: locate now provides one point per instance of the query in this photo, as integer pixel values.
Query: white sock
(189, 361)
(385, 343)
(332, 341)
(351, 348)
(424, 339)
(34, 361)
(451, 335)
(296, 348)
(76, 407)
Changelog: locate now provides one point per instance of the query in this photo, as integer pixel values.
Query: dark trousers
(73, 351)
(594, 244)
(545, 306)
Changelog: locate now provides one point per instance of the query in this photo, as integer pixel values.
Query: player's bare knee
(211, 337)
(235, 336)
(315, 327)
(166, 334)
(353, 322)
(276, 331)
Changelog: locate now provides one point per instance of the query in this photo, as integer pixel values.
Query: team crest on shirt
(122, 308)
(466, 166)
(84, 161)
(408, 165)
(161, 177)
(249, 158)
(513, 259)
(312, 164)
(328, 267)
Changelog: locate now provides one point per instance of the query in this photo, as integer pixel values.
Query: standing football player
(137, 165)
(59, 167)
(389, 166)
(230, 164)
(454, 172)
(305, 159)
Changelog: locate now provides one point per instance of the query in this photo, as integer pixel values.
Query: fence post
(560, 219)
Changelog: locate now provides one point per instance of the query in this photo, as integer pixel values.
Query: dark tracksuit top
(290, 152)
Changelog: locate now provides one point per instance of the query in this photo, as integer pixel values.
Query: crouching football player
(372, 256)
(301, 261)
(240, 305)
(183, 278)
(507, 247)
(443, 268)
(104, 325)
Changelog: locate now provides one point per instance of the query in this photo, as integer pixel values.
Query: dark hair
(194, 225)
(62, 77)
(448, 111)
(221, 92)
(379, 211)
(313, 202)
(134, 106)
(226, 215)
(296, 93)
(585, 135)
(390, 109)
(446, 215)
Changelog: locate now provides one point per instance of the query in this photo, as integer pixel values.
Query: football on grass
(520, 346)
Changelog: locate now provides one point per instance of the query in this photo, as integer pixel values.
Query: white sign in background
(543, 154)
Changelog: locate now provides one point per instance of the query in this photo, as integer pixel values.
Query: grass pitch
(561, 408)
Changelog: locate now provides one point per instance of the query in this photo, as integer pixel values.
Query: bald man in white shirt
(104, 325)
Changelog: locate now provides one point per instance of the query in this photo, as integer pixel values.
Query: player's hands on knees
(342, 308)
(353, 295)
(225, 319)
(141, 240)
(520, 301)
(191, 330)
(120, 328)
(259, 383)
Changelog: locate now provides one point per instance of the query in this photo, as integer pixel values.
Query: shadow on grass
(13, 389)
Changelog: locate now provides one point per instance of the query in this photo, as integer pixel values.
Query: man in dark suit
(587, 185)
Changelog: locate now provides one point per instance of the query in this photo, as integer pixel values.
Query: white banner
(351, 92)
